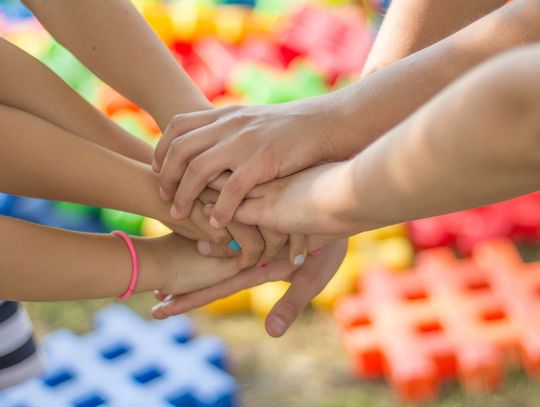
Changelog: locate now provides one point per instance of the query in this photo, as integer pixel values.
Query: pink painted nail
(316, 252)
(204, 247)
(174, 212)
(214, 223)
(264, 265)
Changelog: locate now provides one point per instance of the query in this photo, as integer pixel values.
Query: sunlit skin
(52, 140)
(475, 143)
(116, 43)
(260, 143)
(421, 48)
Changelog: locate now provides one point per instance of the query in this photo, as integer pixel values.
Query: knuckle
(173, 127)
(235, 185)
(195, 167)
(266, 154)
(239, 119)
(289, 309)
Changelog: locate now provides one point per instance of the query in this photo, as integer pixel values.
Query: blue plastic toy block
(246, 3)
(130, 362)
(14, 10)
(47, 213)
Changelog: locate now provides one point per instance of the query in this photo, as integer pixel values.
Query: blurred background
(354, 346)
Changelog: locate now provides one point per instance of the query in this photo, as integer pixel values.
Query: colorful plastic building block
(445, 319)
(128, 361)
(118, 220)
(518, 218)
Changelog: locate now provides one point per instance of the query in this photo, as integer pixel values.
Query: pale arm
(41, 160)
(116, 43)
(261, 143)
(374, 105)
(476, 143)
(26, 84)
(410, 26)
(47, 264)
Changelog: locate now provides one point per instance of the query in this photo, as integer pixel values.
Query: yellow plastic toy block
(265, 296)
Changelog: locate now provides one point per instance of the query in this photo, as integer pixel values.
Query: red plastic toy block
(446, 318)
(336, 41)
(518, 218)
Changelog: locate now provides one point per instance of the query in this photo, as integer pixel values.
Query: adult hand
(256, 143)
(306, 283)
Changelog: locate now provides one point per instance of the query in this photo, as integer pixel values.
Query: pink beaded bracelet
(134, 264)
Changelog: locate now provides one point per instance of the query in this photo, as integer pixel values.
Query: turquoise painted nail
(299, 259)
(233, 244)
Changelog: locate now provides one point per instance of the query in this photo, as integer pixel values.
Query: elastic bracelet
(134, 264)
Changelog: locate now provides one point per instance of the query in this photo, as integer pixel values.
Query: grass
(307, 367)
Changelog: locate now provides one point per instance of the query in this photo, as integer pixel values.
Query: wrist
(340, 137)
(151, 274)
(336, 206)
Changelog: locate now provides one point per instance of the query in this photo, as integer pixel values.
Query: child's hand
(257, 143)
(312, 202)
(306, 283)
(182, 268)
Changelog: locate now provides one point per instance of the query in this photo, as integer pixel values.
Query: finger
(158, 295)
(249, 212)
(187, 229)
(250, 241)
(179, 125)
(220, 181)
(200, 171)
(220, 236)
(278, 270)
(273, 243)
(233, 193)
(177, 158)
(297, 249)
(304, 287)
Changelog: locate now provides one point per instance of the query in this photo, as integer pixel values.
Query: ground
(306, 368)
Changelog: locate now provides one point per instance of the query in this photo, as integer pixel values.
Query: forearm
(410, 26)
(21, 77)
(41, 160)
(115, 42)
(476, 143)
(374, 105)
(46, 264)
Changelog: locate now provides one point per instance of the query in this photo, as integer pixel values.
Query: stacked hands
(238, 174)
(267, 192)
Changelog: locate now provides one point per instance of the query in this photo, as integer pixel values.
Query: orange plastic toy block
(447, 318)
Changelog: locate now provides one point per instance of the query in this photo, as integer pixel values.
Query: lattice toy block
(517, 218)
(446, 318)
(128, 361)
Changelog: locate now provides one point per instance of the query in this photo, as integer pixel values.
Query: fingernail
(264, 265)
(316, 252)
(214, 223)
(299, 259)
(166, 197)
(277, 325)
(209, 205)
(204, 247)
(158, 308)
(155, 167)
(174, 212)
(233, 244)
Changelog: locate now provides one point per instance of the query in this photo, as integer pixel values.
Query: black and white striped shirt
(19, 358)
